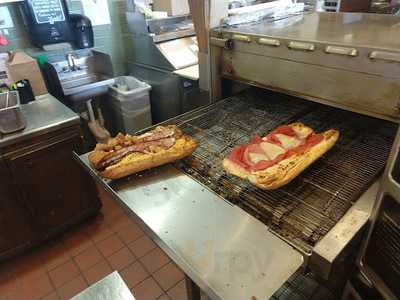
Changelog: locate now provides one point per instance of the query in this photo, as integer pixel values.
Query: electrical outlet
(5, 18)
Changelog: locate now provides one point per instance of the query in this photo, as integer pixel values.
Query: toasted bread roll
(137, 162)
(113, 161)
(287, 169)
(235, 169)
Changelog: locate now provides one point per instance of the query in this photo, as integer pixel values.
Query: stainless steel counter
(225, 251)
(43, 115)
(111, 287)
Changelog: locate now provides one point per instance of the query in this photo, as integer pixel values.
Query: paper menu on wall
(97, 11)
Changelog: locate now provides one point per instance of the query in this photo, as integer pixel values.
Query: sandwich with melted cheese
(274, 160)
(126, 154)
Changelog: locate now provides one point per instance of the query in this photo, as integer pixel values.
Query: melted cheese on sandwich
(271, 150)
(256, 157)
(288, 142)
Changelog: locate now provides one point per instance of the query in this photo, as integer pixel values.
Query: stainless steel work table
(44, 114)
(225, 251)
(111, 287)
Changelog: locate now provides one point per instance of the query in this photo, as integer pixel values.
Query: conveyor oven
(348, 66)
(328, 71)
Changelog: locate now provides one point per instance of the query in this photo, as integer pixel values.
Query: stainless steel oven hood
(348, 60)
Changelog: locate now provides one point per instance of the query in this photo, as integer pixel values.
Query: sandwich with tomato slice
(274, 160)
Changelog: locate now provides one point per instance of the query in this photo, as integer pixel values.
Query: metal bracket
(241, 38)
(223, 43)
(301, 46)
(269, 42)
(341, 50)
(384, 55)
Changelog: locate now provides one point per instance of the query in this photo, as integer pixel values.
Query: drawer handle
(223, 43)
(241, 38)
(387, 56)
(341, 50)
(269, 42)
(301, 46)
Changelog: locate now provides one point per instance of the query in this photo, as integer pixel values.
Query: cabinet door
(52, 184)
(15, 219)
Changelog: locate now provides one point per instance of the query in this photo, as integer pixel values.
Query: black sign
(48, 11)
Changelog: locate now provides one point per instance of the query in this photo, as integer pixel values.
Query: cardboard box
(22, 66)
(172, 7)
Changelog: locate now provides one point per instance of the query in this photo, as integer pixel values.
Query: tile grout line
(175, 285)
(149, 275)
(102, 255)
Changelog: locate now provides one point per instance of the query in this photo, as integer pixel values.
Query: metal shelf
(9, 1)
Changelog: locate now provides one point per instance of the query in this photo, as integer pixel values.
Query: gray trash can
(130, 104)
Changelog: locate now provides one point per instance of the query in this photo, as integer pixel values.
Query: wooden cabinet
(15, 221)
(44, 191)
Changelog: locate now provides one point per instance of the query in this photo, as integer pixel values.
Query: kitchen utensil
(11, 118)
(100, 133)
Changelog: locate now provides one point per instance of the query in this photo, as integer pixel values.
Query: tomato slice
(252, 148)
(311, 141)
(286, 130)
(314, 139)
(298, 150)
(237, 156)
(256, 140)
(265, 164)
(273, 139)
(240, 154)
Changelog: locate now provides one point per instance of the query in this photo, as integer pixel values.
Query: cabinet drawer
(51, 183)
(15, 219)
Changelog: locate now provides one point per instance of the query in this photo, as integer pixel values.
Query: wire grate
(307, 208)
(303, 287)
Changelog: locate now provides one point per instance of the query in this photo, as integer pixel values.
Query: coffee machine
(49, 22)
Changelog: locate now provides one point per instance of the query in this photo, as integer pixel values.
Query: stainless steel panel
(142, 49)
(379, 257)
(227, 252)
(327, 251)
(351, 29)
(41, 116)
(111, 287)
(172, 23)
(148, 36)
(344, 54)
(341, 88)
(312, 28)
(167, 36)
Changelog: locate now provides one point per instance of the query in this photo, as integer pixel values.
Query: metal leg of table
(193, 291)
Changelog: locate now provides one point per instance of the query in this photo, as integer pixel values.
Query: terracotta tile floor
(111, 241)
